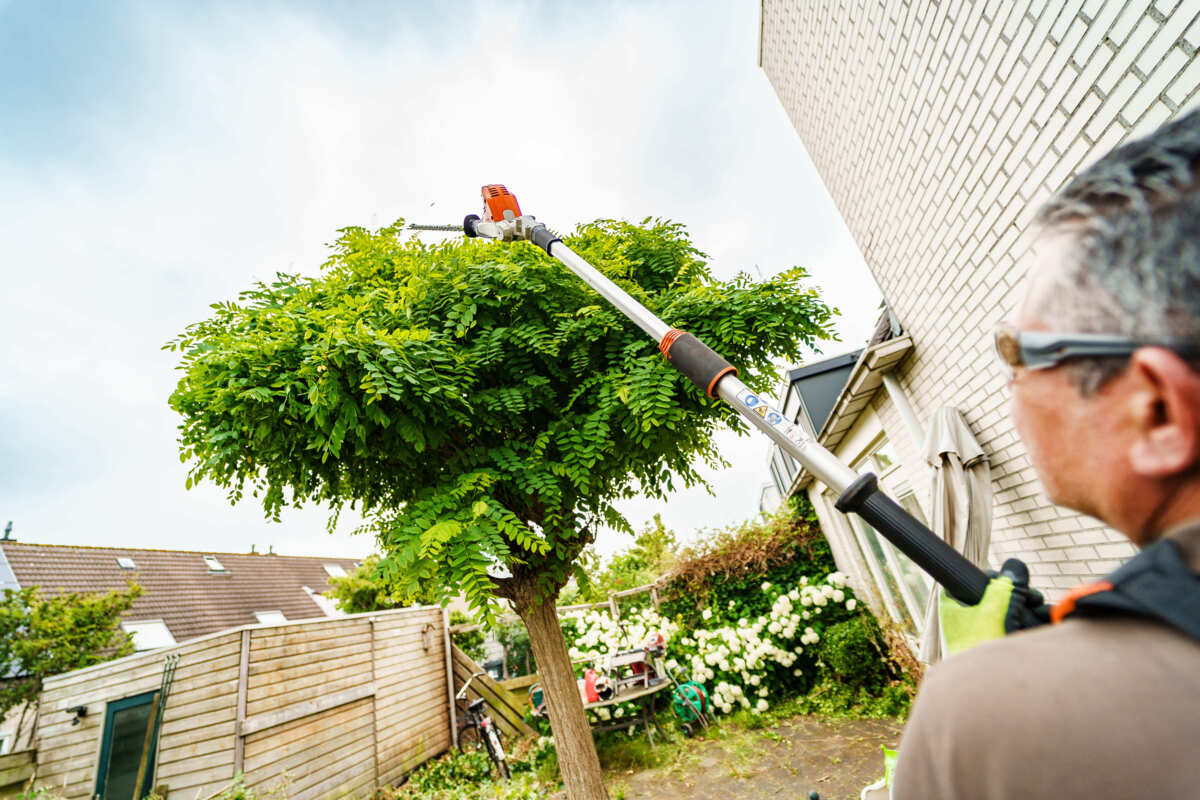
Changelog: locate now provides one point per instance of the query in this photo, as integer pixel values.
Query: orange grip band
(717, 379)
(1067, 604)
(668, 339)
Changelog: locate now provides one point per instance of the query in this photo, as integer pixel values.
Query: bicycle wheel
(469, 739)
(496, 751)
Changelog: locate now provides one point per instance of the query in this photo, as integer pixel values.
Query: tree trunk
(577, 759)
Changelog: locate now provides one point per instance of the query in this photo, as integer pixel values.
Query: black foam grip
(543, 237)
(698, 361)
(963, 580)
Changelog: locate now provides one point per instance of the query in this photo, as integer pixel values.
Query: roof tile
(178, 586)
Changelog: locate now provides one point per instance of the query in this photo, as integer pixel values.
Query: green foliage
(41, 636)
(651, 555)
(851, 650)
(835, 699)
(470, 642)
(40, 793)
(471, 776)
(480, 404)
(757, 612)
(369, 589)
(730, 565)
(518, 652)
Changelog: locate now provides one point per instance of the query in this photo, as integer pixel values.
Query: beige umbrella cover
(961, 506)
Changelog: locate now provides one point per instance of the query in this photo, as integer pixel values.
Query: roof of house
(179, 587)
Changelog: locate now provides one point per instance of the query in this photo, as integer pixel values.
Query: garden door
(127, 749)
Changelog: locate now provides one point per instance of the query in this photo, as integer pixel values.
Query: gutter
(864, 381)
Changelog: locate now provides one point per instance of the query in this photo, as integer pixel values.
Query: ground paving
(834, 757)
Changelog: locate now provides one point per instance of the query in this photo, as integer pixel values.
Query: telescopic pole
(718, 378)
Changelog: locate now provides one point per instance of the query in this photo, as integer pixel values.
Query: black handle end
(963, 580)
(469, 225)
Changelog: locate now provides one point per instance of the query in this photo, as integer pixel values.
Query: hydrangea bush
(745, 650)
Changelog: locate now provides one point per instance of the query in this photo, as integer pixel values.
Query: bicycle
(479, 732)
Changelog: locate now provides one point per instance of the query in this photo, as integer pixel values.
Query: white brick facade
(939, 129)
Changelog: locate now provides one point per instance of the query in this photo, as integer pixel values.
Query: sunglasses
(1017, 349)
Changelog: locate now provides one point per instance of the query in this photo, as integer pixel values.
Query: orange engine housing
(497, 200)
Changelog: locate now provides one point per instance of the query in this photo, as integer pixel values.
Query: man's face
(1070, 438)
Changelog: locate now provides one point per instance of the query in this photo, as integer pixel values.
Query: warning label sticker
(775, 419)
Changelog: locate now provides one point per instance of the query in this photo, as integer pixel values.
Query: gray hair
(1135, 219)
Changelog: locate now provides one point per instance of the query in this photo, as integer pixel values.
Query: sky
(156, 158)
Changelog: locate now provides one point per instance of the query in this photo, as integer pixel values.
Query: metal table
(644, 697)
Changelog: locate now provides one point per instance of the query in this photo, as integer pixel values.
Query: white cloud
(253, 132)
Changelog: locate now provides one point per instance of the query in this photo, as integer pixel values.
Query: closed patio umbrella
(961, 507)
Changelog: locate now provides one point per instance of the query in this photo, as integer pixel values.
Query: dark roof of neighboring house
(178, 586)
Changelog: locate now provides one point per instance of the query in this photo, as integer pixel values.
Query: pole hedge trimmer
(502, 220)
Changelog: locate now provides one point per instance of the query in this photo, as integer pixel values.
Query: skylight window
(270, 617)
(126, 563)
(149, 634)
(335, 571)
(213, 564)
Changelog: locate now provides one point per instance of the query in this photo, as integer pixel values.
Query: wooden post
(374, 714)
(239, 740)
(654, 596)
(612, 607)
(450, 678)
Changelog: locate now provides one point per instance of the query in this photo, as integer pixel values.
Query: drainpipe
(907, 415)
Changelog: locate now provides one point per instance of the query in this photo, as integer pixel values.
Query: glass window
(778, 480)
(904, 586)
(213, 564)
(127, 748)
(884, 456)
(149, 634)
(126, 563)
(789, 465)
(334, 571)
(877, 547)
(915, 578)
(270, 617)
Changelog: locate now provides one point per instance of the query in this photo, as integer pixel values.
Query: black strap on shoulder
(1157, 584)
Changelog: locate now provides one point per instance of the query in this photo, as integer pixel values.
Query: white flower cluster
(599, 635)
(741, 654)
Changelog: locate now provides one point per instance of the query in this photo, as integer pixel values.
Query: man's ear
(1165, 410)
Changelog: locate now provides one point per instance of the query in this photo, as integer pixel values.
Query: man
(1105, 355)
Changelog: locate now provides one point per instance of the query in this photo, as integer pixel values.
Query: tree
(44, 636)
(481, 406)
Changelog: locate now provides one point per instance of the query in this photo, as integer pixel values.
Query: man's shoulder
(1065, 710)
(1082, 656)
(1056, 675)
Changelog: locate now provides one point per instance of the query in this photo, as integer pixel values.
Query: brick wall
(938, 129)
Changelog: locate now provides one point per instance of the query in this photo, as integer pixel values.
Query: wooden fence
(337, 705)
(15, 770)
(506, 708)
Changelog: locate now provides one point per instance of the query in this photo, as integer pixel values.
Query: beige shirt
(1090, 708)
